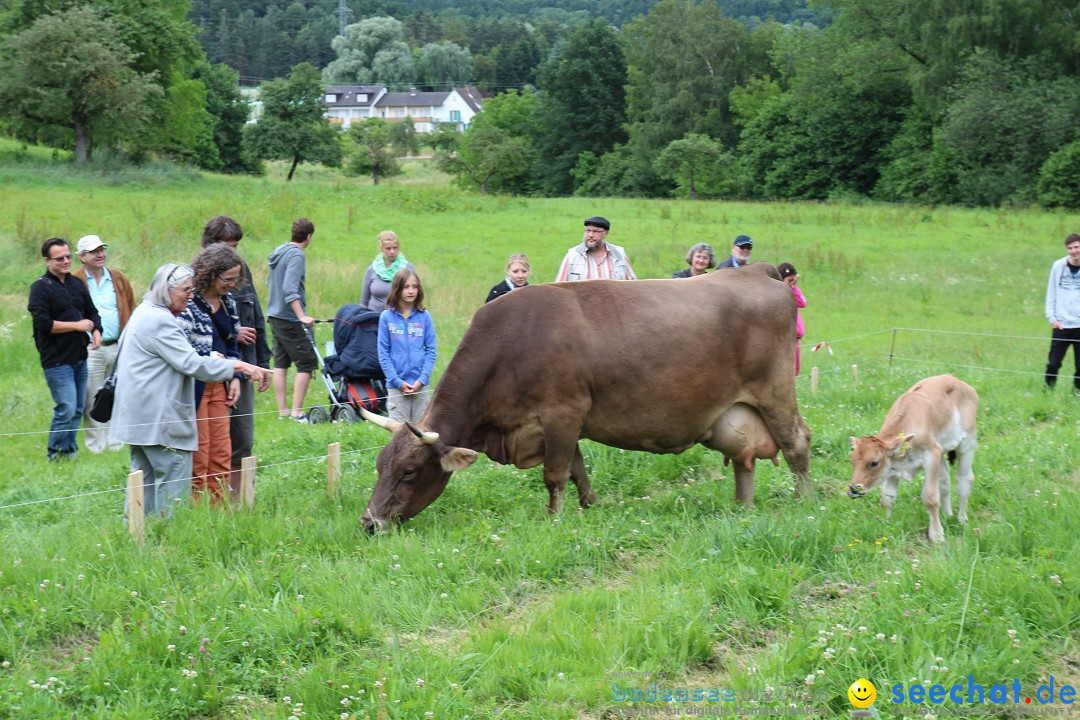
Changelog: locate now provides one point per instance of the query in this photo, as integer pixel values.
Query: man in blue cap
(595, 258)
(740, 252)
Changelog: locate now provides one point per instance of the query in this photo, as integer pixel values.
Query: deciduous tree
(292, 127)
(69, 70)
(372, 51)
(373, 152)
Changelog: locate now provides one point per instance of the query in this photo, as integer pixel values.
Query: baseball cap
(744, 241)
(88, 243)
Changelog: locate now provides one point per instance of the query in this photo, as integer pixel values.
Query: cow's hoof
(937, 537)
(590, 498)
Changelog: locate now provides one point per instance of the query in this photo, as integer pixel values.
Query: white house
(430, 109)
(348, 103)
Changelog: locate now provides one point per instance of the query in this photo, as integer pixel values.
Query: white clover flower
(879, 636)
(809, 680)
(419, 682)
(171, 648)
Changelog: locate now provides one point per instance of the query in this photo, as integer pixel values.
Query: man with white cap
(114, 300)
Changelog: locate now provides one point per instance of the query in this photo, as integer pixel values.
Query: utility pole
(343, 13)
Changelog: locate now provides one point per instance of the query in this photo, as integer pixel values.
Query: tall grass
(484, 607)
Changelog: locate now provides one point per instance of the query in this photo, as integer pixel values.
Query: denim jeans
(67, 383)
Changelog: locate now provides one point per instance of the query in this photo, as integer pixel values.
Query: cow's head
(872, 457)
(414, 468)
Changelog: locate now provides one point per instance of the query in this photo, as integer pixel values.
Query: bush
(1059, 178)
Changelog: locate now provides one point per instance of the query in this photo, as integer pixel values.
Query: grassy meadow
(483, 607)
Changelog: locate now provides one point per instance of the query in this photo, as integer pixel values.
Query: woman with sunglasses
(156, 371)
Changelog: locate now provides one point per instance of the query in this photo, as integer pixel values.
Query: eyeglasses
(229, 281)
(187, 291)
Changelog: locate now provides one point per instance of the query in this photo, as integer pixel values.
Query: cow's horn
(428, 438)
(383, 422)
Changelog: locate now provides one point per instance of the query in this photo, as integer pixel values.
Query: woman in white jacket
(156, 369)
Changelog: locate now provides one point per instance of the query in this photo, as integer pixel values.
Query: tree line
(923, 101)
(919, 101)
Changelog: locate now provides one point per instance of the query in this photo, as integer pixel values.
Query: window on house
(361, 97)
(455, 116)
(331, 98)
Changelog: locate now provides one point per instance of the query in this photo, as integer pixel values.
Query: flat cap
(599, 222)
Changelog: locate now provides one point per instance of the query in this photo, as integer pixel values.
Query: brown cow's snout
(855, 490)
(370, 525)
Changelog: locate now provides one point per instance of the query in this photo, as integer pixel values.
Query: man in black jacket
(253, 346)
(65, 321)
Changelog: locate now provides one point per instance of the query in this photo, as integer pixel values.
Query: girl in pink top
(791, 277)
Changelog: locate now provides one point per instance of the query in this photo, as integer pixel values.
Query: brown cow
(647, 365)
(928, 426)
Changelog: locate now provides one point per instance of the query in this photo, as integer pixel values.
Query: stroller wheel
(345, 414)
(317, 414)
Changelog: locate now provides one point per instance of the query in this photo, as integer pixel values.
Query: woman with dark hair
(517, 276)
(211, 323)
(700, 259)
(156, 370)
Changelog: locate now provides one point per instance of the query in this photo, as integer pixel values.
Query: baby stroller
(352, 374)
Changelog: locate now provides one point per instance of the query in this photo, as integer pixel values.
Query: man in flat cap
(115, 301)
(595, 258)
(740, 252)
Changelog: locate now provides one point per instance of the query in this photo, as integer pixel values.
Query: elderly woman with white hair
(156, 369)
(700, 259)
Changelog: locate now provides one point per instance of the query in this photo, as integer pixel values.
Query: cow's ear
(458, 458)
(901, 445)
(854, 442)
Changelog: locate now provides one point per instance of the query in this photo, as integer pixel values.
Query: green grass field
(482, 606)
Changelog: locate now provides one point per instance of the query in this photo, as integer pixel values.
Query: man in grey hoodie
(289, 321)
(1063, 311)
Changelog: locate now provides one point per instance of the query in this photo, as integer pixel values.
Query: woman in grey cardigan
(154, 410)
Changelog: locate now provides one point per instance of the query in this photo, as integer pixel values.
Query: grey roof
(413, 99)
(472, 97)
(346, 95)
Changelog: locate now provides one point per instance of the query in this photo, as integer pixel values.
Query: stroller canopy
(356, 342)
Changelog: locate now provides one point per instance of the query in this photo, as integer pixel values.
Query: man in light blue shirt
(114, 299)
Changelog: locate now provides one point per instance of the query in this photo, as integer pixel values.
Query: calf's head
(872, 459)
(414, 468)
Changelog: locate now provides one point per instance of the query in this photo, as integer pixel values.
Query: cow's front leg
(889, 489)
(586, 496)
(560, 451)
(945, 486)
(931, 493)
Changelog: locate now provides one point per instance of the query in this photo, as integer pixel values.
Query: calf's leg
(965, 479)
(945, 486)
(931, 493)
(889, 488)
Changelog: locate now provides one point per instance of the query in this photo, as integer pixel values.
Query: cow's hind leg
(791, 434)
(965, 478)
(586, 496)
(744, 484)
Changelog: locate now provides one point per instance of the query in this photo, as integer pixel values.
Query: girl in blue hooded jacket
(407, 347)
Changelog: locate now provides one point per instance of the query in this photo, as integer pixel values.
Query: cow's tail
(952, 457)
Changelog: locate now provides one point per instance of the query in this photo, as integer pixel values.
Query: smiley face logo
(862, 693)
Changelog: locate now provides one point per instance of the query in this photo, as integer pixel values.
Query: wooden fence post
(333, 469)
(247, 482)
(854, 376)
(813, 379)
(135, 509)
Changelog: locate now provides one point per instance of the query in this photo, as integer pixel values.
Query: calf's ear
(900, 445)
(854, 442)
(458, 458)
